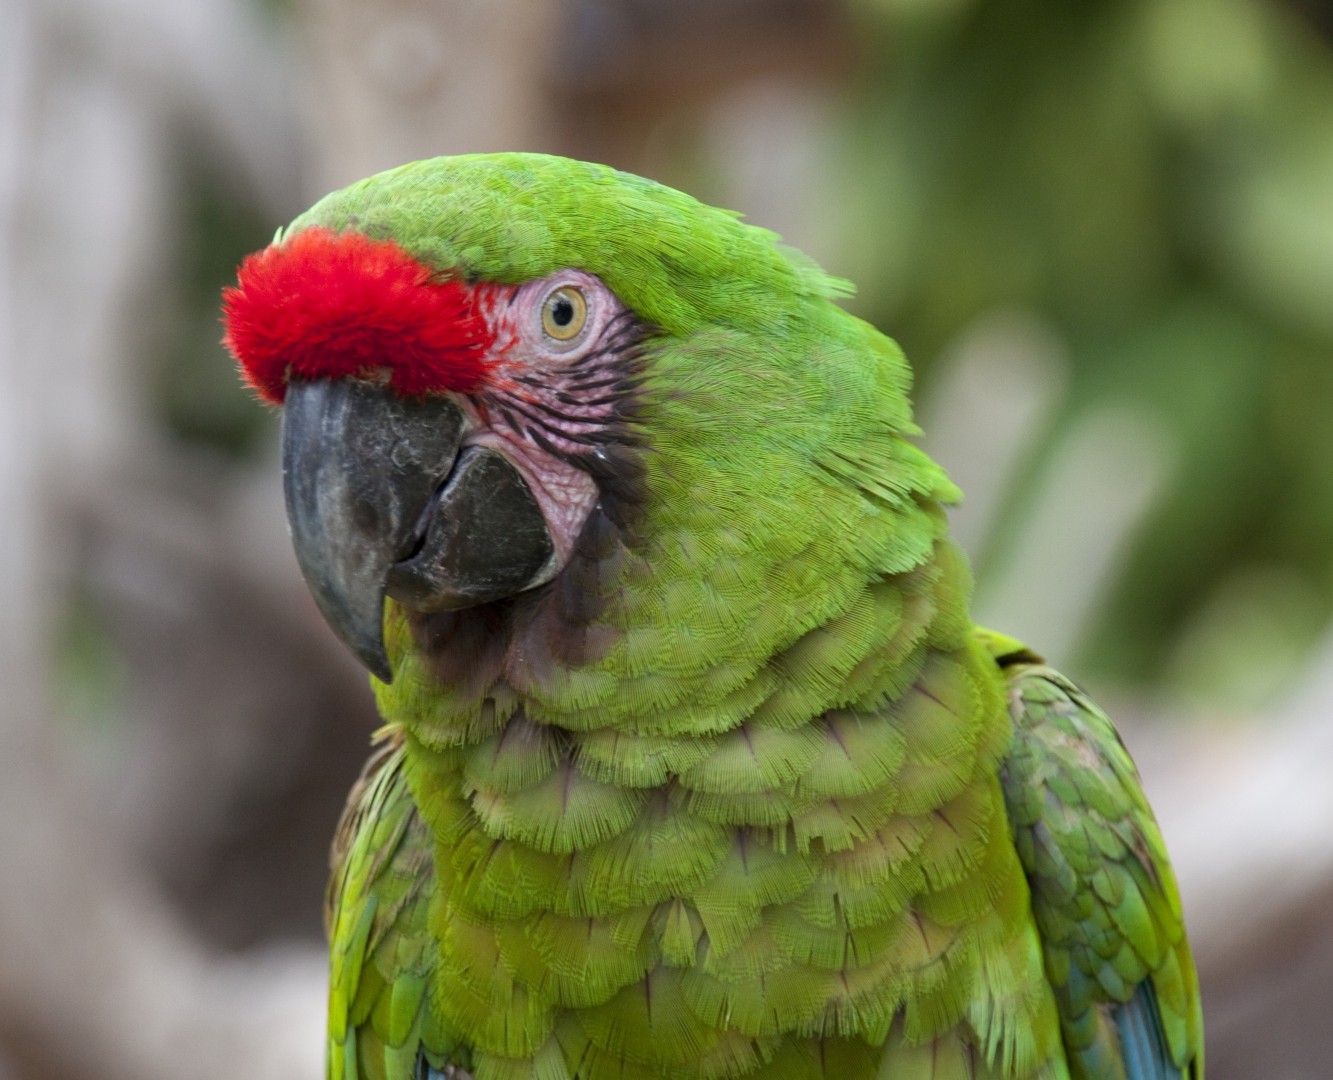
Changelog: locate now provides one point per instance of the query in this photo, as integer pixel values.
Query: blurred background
(1103, 233)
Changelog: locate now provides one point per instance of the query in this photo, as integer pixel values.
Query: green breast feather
(739, 792)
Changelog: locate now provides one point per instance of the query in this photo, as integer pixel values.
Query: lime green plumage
(787, 815)
(382, 955)
(1102, 890)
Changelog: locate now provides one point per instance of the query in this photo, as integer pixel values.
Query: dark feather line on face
(545, 444)
(620, 323)
(603, 434)
(598, 432)
(537, 423)
(600, 384)
(622, 336)
(547, 422)
(609, 344)
(617, 337)
(584, 360)
(554, 413)
(629, 410)
(598, 437)
(569, 399)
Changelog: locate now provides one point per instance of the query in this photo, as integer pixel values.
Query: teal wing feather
(1103, 894)
(380, 951)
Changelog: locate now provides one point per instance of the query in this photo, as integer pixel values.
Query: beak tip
(357, 621)
(379, 666)
(366, 644)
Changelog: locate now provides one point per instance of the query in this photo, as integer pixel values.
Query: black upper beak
(359, 465)
(380, 500)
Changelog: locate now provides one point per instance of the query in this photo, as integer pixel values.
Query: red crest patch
(331, 305)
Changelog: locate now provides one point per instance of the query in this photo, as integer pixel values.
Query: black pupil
(562, 311)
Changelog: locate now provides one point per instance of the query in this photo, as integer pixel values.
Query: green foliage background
(1155, 179)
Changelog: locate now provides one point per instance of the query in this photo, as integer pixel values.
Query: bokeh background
(1102, 231)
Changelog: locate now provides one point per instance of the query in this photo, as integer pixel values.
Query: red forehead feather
(329, 305)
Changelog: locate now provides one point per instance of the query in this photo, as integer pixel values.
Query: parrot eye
(564, 313)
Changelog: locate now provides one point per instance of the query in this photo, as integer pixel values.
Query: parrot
(693, 764)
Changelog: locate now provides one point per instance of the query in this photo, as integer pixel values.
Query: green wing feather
(1103, 894)
(380, 950)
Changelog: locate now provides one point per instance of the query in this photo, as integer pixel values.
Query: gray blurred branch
(417, 78)
(100, 976)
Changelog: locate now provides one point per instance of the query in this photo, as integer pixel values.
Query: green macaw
(693, 764)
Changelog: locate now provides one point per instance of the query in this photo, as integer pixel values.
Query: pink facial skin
(545, 402)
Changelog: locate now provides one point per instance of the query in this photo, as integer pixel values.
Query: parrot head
(441, 438)
(483, 359)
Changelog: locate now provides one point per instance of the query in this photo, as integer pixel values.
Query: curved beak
(359, 468)
(381, 501)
